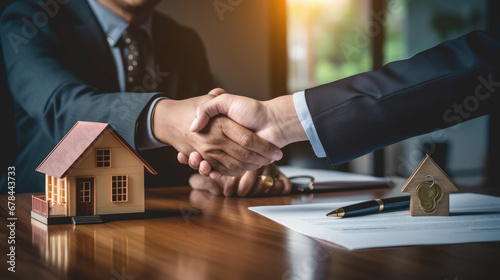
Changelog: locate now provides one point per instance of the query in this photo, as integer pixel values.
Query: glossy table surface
(198, 236)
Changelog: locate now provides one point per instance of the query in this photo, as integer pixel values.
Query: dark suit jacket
(61, 71)
(440, 87)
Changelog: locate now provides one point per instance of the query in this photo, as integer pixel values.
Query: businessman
(446, 85)
(119, 62)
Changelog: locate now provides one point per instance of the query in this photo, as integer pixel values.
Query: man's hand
(250, 184)
(228, 147)
(275, 120)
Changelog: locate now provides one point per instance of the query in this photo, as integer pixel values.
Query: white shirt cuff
(299, 101)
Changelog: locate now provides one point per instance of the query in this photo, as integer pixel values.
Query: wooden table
(198, 236)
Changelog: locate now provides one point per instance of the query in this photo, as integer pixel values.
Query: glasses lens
(302, 182)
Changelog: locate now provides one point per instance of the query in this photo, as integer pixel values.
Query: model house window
(56, 189)
(52, 189)
(62, 189)
(119, 187)
(49, 186)
(103, 158)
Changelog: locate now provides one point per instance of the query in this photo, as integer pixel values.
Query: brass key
(429, 194)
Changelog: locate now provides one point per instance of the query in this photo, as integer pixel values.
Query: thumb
(217, 106)
(182, 158)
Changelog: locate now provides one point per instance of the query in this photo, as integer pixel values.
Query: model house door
(85, 196)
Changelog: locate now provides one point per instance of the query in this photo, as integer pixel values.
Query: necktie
(135, 42)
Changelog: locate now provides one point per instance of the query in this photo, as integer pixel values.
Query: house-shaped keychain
(92, 173)
(429, 189)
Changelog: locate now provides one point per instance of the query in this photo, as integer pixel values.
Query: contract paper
(473, 218)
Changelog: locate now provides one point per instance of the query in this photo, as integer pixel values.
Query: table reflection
(69, 247)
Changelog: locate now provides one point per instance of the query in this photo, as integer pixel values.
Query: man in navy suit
(451, 83)
(66, 61)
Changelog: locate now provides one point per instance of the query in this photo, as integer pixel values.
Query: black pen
(372, 207)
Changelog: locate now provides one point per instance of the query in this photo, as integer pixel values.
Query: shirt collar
(112, 24)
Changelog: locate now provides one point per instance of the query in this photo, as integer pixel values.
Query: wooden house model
(422, 183)
(92, 172)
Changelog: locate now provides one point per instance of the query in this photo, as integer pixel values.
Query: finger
(222, 153)
(246, 183)
(216, 106)
(227, 165)
(261, 188)
(250, 147)
(230, 185)
(277, 188)
(228, 158)
(215, 175)
(286, 183)
(205, 168)
(199, 182)
(216, 91)
(280, 181)
(182, 158)
(194, 160)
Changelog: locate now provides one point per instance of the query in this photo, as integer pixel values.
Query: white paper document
(473, 218)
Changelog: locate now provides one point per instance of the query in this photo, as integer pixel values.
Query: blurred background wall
(239, 40)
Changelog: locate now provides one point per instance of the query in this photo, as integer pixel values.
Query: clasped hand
(275, 121)
(226, 146)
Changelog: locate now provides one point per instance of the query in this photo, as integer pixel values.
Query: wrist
(284, 120)
(152, 118)
(159, 119)
(172, 118)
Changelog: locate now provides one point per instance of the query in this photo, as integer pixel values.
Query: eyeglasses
(303, 183)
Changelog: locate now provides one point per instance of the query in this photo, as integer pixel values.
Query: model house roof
(429, 167)
(74, 145)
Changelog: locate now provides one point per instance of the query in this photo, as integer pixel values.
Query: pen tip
(332, 214)
(336, 213)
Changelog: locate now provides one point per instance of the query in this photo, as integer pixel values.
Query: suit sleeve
(47, 90)
(451, 83)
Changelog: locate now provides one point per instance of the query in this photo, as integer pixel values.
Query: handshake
(232, 140)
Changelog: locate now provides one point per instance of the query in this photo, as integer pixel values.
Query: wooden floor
(198, 236)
